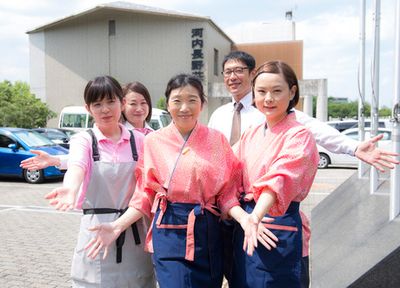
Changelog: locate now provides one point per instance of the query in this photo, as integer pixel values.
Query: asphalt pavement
(37, 242)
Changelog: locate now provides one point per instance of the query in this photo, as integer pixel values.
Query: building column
(322, 100)
(308, 105)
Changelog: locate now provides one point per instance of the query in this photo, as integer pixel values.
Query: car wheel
(33, 176)
(324, 161)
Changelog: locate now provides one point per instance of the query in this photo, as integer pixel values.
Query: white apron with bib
(110, 188)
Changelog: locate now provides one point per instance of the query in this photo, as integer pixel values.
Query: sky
(329, 30)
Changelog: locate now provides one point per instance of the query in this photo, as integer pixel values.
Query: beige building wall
(290, 52)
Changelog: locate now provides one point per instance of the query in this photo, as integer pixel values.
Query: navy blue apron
(169, 244)
(280, 267)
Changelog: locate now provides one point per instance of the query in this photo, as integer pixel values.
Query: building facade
(129, 42)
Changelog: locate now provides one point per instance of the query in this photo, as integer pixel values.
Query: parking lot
(37, 242)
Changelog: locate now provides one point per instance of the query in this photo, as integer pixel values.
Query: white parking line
(25, 185)
(41, 209)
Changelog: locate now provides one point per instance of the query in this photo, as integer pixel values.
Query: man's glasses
(238, 71)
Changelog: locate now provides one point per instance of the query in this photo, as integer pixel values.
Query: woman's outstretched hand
(249, 224)
(62, 198)
(40, 161)
(106, 233)
(368, 152)
(265, 236)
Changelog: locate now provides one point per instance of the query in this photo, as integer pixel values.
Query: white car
(327, 158)
(78, 118)
(350, 123)
(159, 118)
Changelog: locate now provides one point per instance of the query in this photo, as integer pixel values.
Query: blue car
(15, 146)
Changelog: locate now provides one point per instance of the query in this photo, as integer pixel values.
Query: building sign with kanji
(197, 53)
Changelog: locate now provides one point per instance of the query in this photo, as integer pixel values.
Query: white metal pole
(362, 167)
(375, 91)
(395, 173)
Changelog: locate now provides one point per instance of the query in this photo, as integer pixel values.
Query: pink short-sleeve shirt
(80, 152)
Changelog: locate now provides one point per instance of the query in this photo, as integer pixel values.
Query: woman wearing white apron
(103, 161)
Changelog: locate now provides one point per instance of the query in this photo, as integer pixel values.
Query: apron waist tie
(121, 238)
(161, 202)
(197, 210)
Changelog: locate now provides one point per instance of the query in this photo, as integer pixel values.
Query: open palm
(62, 198)
(106, 234)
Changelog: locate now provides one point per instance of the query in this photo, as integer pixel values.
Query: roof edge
(125, 6)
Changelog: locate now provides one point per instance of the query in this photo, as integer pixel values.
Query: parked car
(68, 132)
(351, 123)
(15, 146)
(159, 118)
(58, 136)
(327, 158)
(381, 124)
(76, 118)
(342, 125)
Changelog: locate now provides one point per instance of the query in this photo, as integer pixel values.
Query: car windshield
(33, 139)
(387, 135)
(69, 133)
(76, 121)
(154, 124)
(165, 119)
(353, 135)
(54, 134)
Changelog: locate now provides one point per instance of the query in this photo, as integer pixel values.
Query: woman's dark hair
(182, 80)
(240, 56)
(140, 89)
(279, 67)
(100, 88)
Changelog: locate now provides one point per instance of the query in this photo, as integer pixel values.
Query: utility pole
(375, 90)
(395, 173)
(362, 167)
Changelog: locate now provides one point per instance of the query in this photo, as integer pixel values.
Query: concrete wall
(319, 88)
(218, 96)
(213, 40)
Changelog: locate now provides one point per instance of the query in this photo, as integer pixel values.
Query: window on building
(216, 61)
(111, 28)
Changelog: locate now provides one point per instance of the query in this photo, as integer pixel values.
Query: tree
(346, 109)
(20, 108)
(385, 112)
(161, 104)
(343, 110)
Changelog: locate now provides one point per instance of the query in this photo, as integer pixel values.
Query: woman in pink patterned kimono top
(279, 164)
(187, 180)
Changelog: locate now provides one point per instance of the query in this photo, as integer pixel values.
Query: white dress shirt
(325, 136)
(221, 119)
(130, 126)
